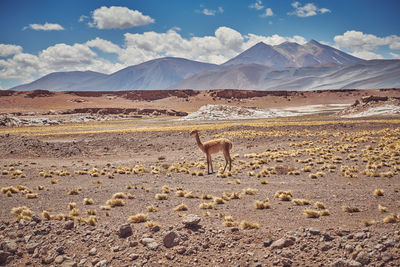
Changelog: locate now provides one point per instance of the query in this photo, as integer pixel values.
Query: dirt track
(312, 160)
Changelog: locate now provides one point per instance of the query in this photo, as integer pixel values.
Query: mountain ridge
(262, 66)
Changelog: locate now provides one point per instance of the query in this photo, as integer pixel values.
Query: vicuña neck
(199, 143)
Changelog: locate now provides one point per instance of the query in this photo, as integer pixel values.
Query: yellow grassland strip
(130, 126)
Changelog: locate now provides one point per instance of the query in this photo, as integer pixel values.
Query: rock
(327, 237)
(387, 257)
(170, 239)
(92, 252)
(45, 230)
(149, 243)
(69, 263)
(59, 259)
(48, 259)
(60, 250)
(191, 220)
(133, 256)
(68, 225)
(102, 263)
(125, 231)
(345, 263)
(314, 231)
(360, 235)
(30, 247)
(363, 258)
(268, 242)
(115, 249)
(4, 257)
(180, 250)
(10, 246)
(282, 243)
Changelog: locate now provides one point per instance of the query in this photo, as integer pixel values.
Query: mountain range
(288, 66)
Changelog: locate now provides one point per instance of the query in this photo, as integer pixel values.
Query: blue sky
(39, 37)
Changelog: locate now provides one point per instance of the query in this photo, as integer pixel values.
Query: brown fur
(212, 147)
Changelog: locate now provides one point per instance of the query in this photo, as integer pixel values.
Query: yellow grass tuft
(92, 220)
(392, 218)
(40, 187)
(161, 196)
(138, 218)
(22, 212)
(91, 212)
(249, 191)
(71, 205)
(151, 208)
(324, 212)
(115, 202)
(53, 181)
(206, 196)
(204, 205)
(74, 191)
(368, 223)
(264, 181)
(46, 215)
(378, 192)
(229, 222)
(181, 207)
(382, 208)
(249, 225)
(74, 212)
(310, 213)
(260, 205)
(319, 205)
(31, 196)
(166, 189)
(151, 224)
(120, 195)
(301, 202)
(350, 209)
(180, 193)
(218, 200)
(88, 201)
(284, 195)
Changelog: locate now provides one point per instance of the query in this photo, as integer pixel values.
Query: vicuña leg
(228, 159)
(209, 163)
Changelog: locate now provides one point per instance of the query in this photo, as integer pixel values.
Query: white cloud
(118, 17)
(394, 55)
(307, 10)
(361, 43)
(367, 55)
(104, 45)
(9, 50)
(268, 13)
(45, 27)
(275, 39)
(210, 12)
(257, 5)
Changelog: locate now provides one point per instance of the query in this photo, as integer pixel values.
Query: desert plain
(115, 179)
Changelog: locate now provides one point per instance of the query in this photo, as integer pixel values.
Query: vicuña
(212, 147)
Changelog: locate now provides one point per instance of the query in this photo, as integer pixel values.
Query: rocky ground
(283, 204)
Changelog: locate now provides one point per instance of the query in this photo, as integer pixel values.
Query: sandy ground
(339, 163)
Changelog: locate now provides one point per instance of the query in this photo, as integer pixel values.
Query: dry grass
(165, 189)
(319, 205)
(152, 224)
(138, 218)
(88, 201)
(382, 208)
(368, 223)
(260, 205)
(46, 215)
(120, 195)
(219, 200)
(301, 202)
(115, 202)
(310, 213)
(284, 195)
(229, 222)
(249, 225)
(392, 218)
(151, 208)
(264, 181)
(74, 191)
(22, 213)
(350, 209)
(31, 196)
(206, 196)
(181, 207)
(161, 196)
(204, 205)
(250, 191)
(379, 192)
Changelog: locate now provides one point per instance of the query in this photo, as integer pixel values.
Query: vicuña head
(212, 147)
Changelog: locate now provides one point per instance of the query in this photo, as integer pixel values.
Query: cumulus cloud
(275, 39)
(45, 27)
(268, 13)
(307, 10)
(118, 17)
(361, 44)
(257, 5)
(104, 45)
(9, 50)
(210, 12)
(394, 55)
